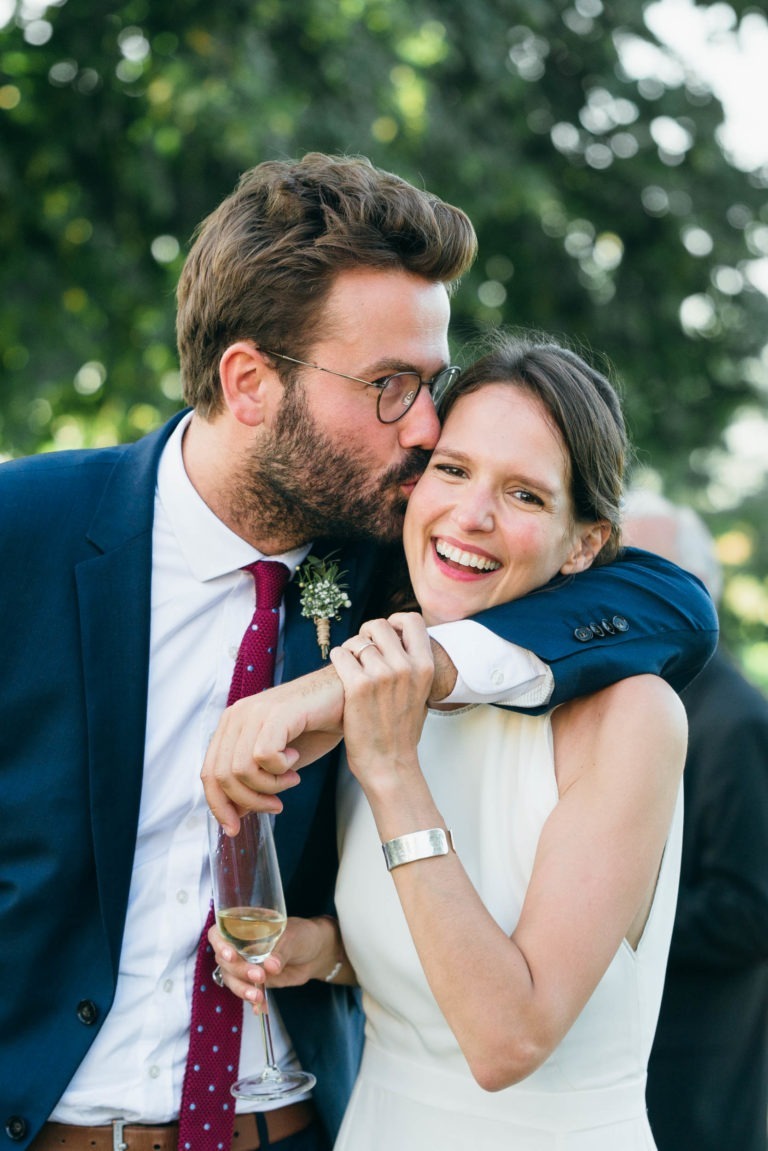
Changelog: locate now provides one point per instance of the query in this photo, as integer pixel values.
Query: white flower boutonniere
(322, 595)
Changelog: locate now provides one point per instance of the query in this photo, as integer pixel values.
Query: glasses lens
(443, 382)
(397, 395)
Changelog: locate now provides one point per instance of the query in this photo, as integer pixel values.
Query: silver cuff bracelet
(417, 845)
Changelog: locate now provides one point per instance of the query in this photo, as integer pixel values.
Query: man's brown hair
(263, 263)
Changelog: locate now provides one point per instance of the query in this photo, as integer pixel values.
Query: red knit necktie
(207, 1114)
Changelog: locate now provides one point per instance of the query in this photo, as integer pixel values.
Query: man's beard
(300, 486)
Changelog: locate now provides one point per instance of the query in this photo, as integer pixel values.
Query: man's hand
(308, 949)
(262, 740)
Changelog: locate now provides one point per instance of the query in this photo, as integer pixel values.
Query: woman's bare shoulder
(627, 700)
(640, 717)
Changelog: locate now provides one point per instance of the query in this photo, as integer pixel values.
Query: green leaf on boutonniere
(322, 595)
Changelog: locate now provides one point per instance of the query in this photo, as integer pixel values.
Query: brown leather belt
(119, 1136)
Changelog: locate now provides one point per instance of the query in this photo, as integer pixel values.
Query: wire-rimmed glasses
(397, 393)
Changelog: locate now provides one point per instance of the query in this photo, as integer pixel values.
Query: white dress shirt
(201, 605)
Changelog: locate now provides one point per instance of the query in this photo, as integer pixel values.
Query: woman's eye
(527, 497)
(449, 469)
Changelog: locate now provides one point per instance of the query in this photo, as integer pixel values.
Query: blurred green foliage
(604, 207)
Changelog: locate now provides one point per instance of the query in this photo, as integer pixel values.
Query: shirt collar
(210, 548)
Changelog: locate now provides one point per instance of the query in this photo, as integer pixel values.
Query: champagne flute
(250, 914)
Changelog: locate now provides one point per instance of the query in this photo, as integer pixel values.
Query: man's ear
(590, 538)
(249, 384)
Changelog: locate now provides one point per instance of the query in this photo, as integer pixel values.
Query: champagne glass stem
(266, 1031)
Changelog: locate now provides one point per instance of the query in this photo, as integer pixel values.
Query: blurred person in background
(708, 1072)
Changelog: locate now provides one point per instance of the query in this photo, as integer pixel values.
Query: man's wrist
(325, 698)
(333, 967)
(444, 679)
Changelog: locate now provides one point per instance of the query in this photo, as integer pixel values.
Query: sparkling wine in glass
(250, 914)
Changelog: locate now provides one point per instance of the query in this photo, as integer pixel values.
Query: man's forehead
(391, 314)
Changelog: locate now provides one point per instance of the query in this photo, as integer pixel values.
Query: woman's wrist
(399, 810)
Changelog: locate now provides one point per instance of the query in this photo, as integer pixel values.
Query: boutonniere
(322, 595)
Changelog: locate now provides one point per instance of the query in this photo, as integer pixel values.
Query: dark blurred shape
(708, 1072)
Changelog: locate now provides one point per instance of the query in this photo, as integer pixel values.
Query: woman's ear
(590, 539)
(249, 384)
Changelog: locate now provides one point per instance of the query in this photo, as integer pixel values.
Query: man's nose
(420, 426)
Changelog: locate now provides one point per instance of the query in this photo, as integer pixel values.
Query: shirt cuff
(490, 669)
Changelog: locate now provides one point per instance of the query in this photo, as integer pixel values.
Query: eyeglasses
(397, 393)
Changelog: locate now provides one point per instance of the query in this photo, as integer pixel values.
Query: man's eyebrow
(389, 368)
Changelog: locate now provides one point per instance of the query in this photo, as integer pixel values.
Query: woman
(511, 987)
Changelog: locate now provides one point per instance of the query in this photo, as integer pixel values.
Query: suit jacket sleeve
(639, 614)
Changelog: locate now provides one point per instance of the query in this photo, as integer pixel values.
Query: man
(312, 322)
(708, 1072)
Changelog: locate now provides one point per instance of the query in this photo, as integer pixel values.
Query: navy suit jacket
(75, 576)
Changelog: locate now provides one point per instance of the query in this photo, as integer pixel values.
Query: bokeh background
(589, 154)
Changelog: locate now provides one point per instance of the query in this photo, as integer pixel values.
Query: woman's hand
(387, 673)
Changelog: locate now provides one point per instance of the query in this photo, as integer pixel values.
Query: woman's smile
(464, 560)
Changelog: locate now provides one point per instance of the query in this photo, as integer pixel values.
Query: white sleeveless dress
(492, 775)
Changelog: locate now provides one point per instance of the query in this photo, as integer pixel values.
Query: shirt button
(497, 678)
(154, 1072)
(87, 1012)
(168, 985)
(182, 896)
(233, 652)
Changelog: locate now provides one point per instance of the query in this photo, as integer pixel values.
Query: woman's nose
(474, 512)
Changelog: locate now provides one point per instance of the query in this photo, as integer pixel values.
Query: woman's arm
(619, 761)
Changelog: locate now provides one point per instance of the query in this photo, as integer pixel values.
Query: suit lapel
(113, 590)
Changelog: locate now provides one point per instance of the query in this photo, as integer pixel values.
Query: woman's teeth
(466, 559)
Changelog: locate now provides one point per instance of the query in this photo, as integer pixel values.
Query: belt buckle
(118, 1142)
